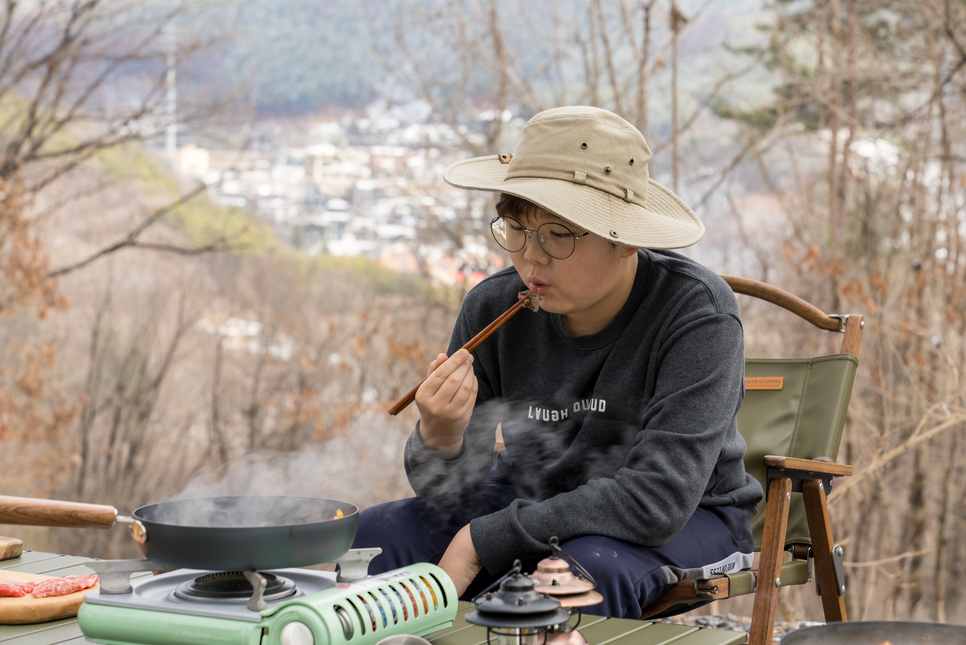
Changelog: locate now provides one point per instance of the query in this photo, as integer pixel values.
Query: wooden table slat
(56, 567)
(78, 640)
(461, 633)
(706, 636)
(664, 634)
(607, 631)
(53, 638)
(27, 558)
(53, 632)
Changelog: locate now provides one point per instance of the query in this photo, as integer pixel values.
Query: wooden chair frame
(812, 478)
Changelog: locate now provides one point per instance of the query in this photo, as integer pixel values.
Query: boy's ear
(628, 251)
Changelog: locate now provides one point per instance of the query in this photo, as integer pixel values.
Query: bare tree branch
(920, 435)
(712, 96)
(131, 240)
(753, 143)
(55, 206)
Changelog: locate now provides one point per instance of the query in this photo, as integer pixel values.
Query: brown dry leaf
(23, 257)
(878, 285)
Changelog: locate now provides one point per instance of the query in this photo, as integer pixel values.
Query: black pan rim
(143, 513)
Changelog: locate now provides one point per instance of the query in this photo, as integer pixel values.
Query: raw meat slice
(63, 586)
(11, 590)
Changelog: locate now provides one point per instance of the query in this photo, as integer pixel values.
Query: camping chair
(791, 418)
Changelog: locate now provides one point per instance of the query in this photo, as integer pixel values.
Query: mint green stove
(279, 607)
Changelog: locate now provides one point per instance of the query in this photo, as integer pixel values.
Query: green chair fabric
(804, 418)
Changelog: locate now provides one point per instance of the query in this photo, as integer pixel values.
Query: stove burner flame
(233, 587)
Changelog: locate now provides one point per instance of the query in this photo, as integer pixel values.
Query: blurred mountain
(297, 56)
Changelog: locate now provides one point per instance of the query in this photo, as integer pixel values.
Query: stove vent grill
(401, 604)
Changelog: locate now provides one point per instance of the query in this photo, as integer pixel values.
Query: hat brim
(665, 221)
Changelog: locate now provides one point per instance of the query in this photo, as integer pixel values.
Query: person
(616, 400)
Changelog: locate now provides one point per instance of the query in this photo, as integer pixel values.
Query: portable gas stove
(278, 607)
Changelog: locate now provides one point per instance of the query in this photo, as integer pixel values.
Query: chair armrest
(809, 466)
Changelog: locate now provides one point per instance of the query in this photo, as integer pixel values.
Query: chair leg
(820, 529)
(770, 562)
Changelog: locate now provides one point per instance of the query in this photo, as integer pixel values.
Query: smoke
(547, 453)
(362, 467)
(247, 511)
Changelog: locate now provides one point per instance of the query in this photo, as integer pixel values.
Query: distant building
(193, 161)
(367, 187)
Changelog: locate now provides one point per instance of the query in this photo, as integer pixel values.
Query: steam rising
(245, 511)
(360, 468)
(365, 467)
(547, 456)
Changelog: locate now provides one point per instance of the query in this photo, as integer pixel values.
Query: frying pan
(241, 533)
(877, 632)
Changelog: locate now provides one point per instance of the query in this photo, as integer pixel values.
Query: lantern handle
(516, 568)
(581, 572)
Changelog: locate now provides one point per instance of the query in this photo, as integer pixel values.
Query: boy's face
(588, 288)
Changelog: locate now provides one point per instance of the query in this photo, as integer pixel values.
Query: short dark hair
(516, 207)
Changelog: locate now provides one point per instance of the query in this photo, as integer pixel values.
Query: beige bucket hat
(589, 167)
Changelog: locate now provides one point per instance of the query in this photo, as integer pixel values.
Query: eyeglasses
(556, 240)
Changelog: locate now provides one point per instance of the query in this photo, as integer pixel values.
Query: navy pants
(628, 576)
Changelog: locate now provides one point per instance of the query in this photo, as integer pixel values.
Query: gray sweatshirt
(622, 433)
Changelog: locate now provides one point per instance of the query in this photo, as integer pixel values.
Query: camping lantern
(555, 578)
(516, 613)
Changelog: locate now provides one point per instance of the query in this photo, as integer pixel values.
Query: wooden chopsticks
(473, 343)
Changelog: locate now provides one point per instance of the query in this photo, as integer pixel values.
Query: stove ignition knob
(296, 633)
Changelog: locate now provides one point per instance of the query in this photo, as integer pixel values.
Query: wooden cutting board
(10, 548)
(29, 610)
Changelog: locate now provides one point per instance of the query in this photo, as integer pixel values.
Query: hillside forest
(154, 344)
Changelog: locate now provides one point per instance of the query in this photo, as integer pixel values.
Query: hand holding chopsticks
(527, 299)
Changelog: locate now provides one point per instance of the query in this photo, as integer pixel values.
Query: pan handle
(47, 512)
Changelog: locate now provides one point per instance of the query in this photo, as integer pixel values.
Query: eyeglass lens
(555, 239)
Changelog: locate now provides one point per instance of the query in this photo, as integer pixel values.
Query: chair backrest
(795, 407)
(803, 417)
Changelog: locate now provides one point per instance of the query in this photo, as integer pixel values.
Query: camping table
(597, 631)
